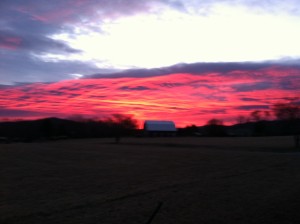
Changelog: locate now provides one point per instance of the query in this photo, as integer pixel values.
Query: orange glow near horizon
(184, 98)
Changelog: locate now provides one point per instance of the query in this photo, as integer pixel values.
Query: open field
(198, 180)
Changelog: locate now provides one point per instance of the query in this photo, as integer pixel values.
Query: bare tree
(290, 113)
(287, 111)
(256, 116)
(259, 115)
(215, 121)
(267, 115)
(215, 127)
(241, 119)
(122, 125)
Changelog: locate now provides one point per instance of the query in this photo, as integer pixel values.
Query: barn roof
(153, 125)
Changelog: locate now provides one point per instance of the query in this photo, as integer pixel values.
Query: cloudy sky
(185, 60)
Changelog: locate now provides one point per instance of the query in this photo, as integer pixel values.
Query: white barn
(159, 128)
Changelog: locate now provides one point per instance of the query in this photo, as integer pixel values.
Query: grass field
(197, 180)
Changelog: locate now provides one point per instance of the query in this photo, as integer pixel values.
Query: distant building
(159, 128)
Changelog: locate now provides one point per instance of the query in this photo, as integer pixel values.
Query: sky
(182, 60)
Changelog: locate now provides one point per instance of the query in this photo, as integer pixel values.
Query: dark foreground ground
(197, 180)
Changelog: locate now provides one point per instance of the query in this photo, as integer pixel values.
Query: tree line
(116, 125)
(282, 119)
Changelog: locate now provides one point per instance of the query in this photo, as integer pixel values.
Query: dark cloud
(201, 69)
(33, 43)
(16, 67)
(26, 28)
(132, 73)
(9, 42)
(47, 44)
(252, 87)
(292, 83)
(211, 97)
(252, 107)
(22, 98)
(130, 6)
(18, 113)
(91, 86)
(137, 88)
(20, 41)
(58, 11)
(5, 86)
(218, 111)
(171, 84)
(249, 99)
(55, 93)
(211, 111)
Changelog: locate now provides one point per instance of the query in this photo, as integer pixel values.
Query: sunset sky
(182, 60)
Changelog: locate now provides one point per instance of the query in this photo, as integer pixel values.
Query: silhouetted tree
(215, 127)
(122, 125)
(215, 122)
(290, 114)
(287, 111)
(266, 115)
(189, 130)
(241, 119)
(256, 116)
(259, 118)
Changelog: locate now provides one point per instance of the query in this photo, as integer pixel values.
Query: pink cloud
(10, 43)
(69, 11)
(184, 98)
